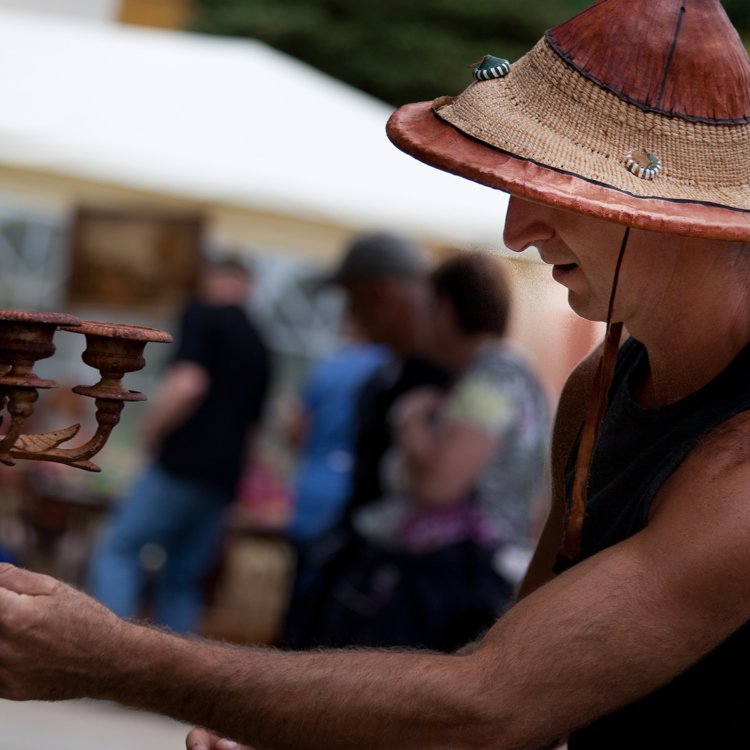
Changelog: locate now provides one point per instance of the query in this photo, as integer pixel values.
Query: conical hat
(621, 81)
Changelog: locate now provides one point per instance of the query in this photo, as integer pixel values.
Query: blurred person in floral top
(434, 565)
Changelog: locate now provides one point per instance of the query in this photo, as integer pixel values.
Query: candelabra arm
(107, 417)
(40, 442)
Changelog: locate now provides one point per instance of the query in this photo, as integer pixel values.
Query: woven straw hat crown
(666, 78)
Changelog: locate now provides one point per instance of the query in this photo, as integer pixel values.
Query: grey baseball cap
(380, 255)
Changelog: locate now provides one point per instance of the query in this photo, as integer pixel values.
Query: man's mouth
(561, 272)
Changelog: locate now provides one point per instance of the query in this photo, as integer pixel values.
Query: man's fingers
(23, 581)
(225, 744)
(202, 739)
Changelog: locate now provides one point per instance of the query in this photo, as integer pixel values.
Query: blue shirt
(324, 474)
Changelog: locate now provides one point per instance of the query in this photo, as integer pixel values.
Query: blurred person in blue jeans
(168, 526)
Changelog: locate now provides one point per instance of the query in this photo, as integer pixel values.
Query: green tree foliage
(739, 12)
(399, 50)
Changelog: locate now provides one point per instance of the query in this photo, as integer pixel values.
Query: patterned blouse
(500, 397)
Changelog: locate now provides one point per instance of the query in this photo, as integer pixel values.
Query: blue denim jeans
(183, 518)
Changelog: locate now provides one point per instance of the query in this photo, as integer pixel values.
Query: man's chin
(586, 308)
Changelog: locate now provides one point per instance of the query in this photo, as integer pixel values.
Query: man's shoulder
(726, 446)
(713, 481)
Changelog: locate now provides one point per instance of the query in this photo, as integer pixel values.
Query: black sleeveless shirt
(708, 706)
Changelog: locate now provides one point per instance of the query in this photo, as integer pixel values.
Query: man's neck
(687, 348)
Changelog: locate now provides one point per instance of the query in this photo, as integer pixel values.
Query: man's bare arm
(609, 631)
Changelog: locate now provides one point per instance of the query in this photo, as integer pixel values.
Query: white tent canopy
(218, 120)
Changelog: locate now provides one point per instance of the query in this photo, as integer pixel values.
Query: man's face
(583, 252)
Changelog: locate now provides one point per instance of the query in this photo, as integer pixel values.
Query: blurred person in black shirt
(198, 433)
(387, 287)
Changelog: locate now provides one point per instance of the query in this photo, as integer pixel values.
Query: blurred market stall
(274, 152)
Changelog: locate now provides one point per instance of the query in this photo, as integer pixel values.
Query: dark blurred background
(400, 50)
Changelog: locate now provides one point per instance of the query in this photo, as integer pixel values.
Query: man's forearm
(565, 655)
(315, 700)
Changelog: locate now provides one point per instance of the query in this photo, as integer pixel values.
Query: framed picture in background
(134, 258)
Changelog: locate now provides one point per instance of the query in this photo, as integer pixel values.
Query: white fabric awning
(221, 121)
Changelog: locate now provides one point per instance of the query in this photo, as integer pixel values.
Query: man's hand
(202, 739)
(49, 636)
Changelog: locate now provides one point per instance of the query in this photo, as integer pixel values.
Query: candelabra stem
(107, 418)
(20, 407)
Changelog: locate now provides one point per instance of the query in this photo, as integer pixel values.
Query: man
(643, 640)
(385, 278)
(198, 431)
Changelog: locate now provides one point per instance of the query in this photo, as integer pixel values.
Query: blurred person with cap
(199, 431)
(387, 288)
(385, 278)
(623, 137)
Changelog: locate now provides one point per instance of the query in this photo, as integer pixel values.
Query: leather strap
(597, 405)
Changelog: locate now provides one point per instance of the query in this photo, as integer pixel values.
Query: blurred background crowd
(346, 442)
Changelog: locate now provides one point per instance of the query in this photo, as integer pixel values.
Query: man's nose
(526, 224)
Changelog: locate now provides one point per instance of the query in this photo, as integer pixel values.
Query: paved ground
(85, 725)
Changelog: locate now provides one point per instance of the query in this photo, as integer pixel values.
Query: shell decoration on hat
(490, 67)
(642, 164)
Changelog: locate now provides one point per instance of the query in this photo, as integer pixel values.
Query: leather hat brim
(416, 130)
